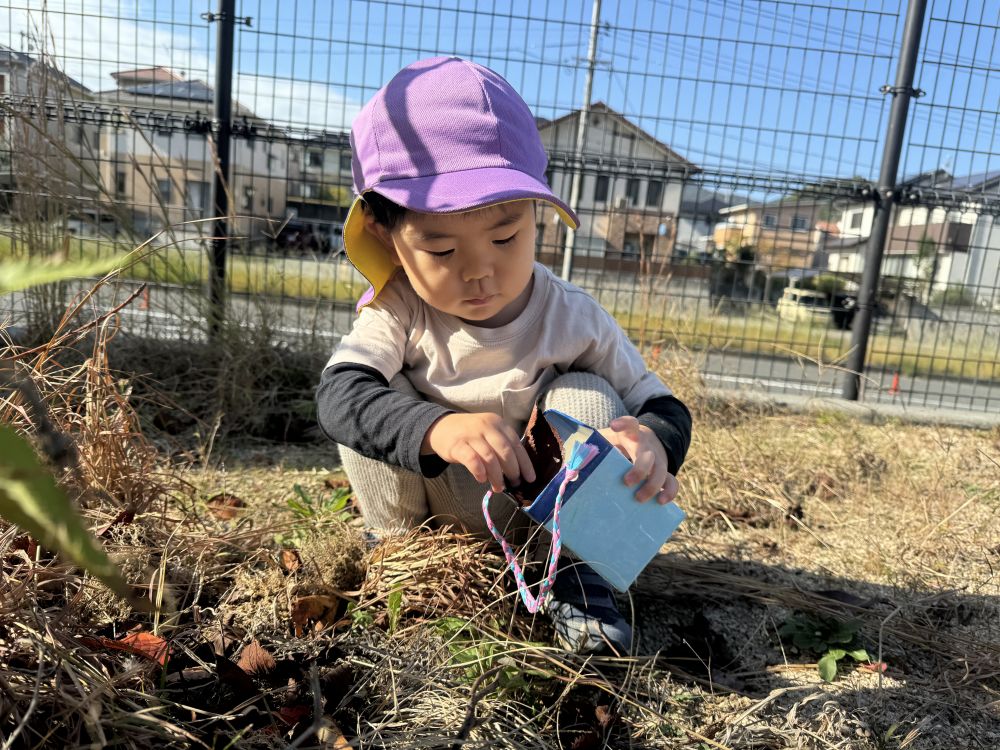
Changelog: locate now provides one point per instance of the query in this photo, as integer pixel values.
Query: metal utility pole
(223, 113)
(885, 196)
(581, 134)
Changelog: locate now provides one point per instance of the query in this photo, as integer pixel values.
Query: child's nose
(478, 267)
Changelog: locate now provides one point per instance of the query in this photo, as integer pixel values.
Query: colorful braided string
(581, 455)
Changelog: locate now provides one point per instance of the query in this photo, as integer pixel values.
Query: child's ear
(382, 235)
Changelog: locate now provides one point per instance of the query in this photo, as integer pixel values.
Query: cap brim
(453, 192)
(473, 188)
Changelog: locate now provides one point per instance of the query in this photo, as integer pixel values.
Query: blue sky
(750, 87)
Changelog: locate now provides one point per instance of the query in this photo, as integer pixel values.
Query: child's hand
(484, 444)
(643, 448)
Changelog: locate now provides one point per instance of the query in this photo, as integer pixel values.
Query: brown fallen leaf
(126, 516)
(330, 736)
(153, 647)
(290, 560)
(255, 659)
(224, 506)
(292, 715)
(335, 482)
(318, 611)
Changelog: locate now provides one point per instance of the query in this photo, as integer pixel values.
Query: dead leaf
(335, 481)
(255, 659)
(126, 516)
(330, 736)
(823, 486)
(224, 506)
(292, 715)
(235, 679)
(153, 647)
(290, 560)
(318, 611)
(875, 666)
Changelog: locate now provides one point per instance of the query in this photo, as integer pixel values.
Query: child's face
(476, 265)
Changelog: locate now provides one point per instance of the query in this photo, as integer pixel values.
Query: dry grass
(417, 642)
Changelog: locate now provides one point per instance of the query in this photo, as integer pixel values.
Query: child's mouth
(480, 301)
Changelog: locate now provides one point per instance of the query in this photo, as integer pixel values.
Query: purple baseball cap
(444, 135)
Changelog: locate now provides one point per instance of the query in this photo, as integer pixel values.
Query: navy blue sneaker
(584, 612)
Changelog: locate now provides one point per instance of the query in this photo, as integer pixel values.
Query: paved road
(177, 312)
(804, 378)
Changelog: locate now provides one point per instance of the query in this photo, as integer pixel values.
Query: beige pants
(394, 499)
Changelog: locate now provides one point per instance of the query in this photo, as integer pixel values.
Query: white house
(945, 246)
(630, 195)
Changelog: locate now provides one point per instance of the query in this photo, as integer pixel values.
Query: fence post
(581, 135)
(223, 110)
(885, 197)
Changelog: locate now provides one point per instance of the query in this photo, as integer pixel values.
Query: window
(632, 191)
(770, 221)
(163, 191)
(856, 218)
(120, 183)
(196, 198)
(654, 192)
(345, 161)
(630, 246)
(248, 197)
(601, 189)
(800, 223)
(78, 134)
(270, 205)
(315, 159)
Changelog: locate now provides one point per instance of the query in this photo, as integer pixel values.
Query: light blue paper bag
(601, 521)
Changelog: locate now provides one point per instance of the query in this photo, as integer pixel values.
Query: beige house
(319, 179)
(158, 158)
(630, 193)
(45, 171)
(780, 234)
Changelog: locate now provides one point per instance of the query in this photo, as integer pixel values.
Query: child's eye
(505, 241)
(439, 253)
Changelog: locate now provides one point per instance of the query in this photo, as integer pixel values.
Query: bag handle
(580, 456)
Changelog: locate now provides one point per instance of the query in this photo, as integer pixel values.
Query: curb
(875, 413)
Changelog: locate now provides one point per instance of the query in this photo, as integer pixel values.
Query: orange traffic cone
(894, 388)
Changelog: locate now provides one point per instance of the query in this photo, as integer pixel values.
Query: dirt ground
(794, 521)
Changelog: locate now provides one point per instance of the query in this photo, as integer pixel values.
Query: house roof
(13, 57)
(158, 74)
(193, 91)
(602, 108)
(787, 200)
(978, 181)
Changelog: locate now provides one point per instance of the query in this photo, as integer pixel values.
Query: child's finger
(669, 491)
(624, 424)
(641, 468)
(525, 469)
(654, 483)
(491, 463)
(503, 453)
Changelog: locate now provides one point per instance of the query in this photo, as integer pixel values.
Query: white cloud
(91, 39)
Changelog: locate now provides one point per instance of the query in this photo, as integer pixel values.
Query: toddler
(462, 333)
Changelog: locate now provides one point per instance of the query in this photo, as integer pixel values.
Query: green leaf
(836, 653)
(31, 499)
(828, 667)
(859, 654)
(395, 609)
(21, 274)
